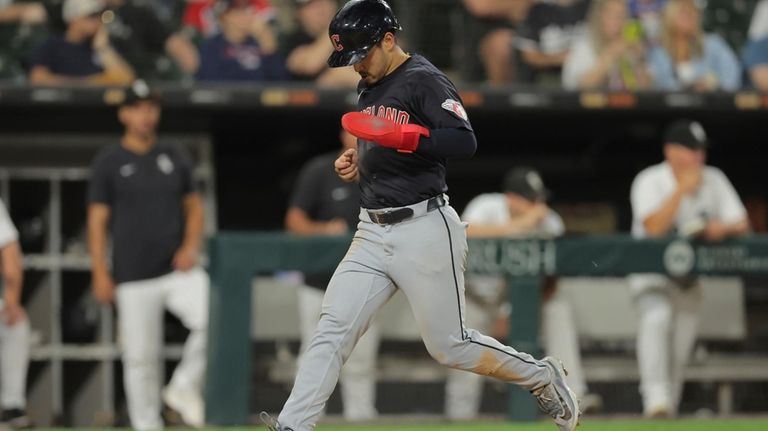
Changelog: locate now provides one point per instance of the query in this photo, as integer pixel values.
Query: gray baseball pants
(424, 256)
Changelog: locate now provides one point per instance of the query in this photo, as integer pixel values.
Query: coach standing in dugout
(143, 190)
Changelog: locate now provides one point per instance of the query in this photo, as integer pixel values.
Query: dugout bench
(235, 258)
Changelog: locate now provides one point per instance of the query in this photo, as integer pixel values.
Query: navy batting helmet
(357, 27)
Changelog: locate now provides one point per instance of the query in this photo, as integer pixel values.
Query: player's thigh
(140, 318)
(354, 295)
(310, 302)
(187, 297)
(429, 268)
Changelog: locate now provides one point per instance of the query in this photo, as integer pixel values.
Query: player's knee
(656, 317)
(145, 365)
(448, 354)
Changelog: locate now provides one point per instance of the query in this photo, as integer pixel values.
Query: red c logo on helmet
(335, 41)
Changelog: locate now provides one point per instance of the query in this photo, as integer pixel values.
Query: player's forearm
(97, 238)
(452, 143)
(97, 248)
(194, 220)
(297, 222)
(661, 221)
(13, 273)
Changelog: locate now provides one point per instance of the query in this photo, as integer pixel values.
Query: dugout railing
(237, 257)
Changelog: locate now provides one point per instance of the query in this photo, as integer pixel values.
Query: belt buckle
(378, 217)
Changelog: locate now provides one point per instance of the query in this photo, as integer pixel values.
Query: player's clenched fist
(346, 165)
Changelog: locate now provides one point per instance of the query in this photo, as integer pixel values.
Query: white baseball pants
(140, 306)
(667, 327)
(14, 359)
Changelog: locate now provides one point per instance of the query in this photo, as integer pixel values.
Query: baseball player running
(143, 192)
(410, 122)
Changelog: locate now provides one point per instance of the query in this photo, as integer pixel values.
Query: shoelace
(550, 403)
(269, 421)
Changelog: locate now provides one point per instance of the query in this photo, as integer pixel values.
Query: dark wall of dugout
(584, 156)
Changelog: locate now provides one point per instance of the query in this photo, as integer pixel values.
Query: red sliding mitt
(402, 137)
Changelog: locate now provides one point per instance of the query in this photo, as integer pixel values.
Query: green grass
(599, 425)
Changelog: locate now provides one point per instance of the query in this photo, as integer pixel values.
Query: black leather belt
(398, 215)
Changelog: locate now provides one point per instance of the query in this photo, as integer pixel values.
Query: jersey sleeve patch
(455, 107)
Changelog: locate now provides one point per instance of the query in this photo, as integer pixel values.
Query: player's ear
(389, 41)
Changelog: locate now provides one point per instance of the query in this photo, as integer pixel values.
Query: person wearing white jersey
(14, 329)
(520, 211)
(142, 192)
(679, 196)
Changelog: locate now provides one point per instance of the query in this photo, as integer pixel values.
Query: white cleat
(556, 399)
(187, 403)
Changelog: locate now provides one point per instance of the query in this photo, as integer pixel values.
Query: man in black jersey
(142, 193)
(411, 121)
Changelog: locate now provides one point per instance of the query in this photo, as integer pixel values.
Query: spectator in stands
(648, 13)
(501, 16)
(756, 51)
(609, 54)
(83, 54)
(245, 50)
(14, 329)
(685, 197)
(756, 62)
(520, 211)
(545, 37)
(140, 37)
(200, 16)
(308, 47)
(22, 26)
(26, 12)
(758, 26)
(689, 59)
(324, 204)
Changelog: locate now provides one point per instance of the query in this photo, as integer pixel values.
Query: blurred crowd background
(703, 45)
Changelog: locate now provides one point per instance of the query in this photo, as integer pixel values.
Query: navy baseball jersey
(145, 194)
(415, 93)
